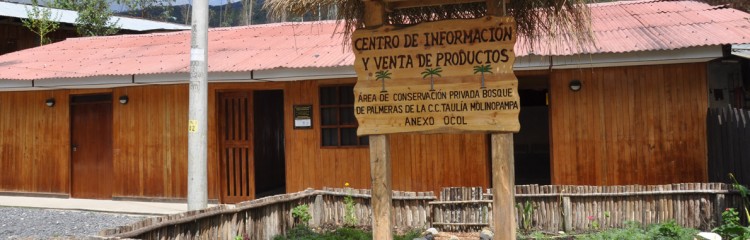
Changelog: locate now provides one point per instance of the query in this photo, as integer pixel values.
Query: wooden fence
(266, 217)
(728, 144)
(555, 208)
(584, 208)
(462, 210)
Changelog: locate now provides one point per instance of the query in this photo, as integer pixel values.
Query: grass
(664, 231)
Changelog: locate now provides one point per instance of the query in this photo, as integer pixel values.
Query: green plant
(40, 21)
(302, 213)
(94, 16)
(239, 237)
(482, 69)
(594, 223)
(431, 72)
(350, 219)
(632, 230)
(670, 230)
(527, 211)
(744, 193)
(730, 227)
(302, 232)
(382, 76)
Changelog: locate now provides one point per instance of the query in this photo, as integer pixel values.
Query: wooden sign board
(437, 77)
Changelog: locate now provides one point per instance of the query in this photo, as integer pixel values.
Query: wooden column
(503, 186)
(380, 154)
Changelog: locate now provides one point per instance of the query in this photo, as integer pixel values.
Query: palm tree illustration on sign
(482, 69)
(431, 72)
(382, 76)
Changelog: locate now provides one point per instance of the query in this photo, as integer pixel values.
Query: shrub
(730, 227)
(670, 230)
(302, 213)
(350, 218)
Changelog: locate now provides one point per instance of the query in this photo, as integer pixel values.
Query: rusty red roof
(648, 25)
(619, 27)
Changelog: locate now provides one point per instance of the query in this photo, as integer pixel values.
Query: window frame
(338, 106)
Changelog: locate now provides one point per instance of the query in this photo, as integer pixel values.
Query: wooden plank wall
(420, 162)
(34, 141)
(629, 125)
(150, 142)
(150, 145)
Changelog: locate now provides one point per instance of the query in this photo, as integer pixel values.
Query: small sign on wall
(302, 116)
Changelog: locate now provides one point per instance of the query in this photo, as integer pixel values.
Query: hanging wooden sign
(437, 77)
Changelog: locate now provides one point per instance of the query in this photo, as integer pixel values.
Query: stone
(486, 234)
(709, 236)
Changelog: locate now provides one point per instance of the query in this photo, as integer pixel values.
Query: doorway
(91, 146)
(531, 144)
(270, 177)
(251, 138)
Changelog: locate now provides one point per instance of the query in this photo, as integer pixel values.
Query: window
(338, 124)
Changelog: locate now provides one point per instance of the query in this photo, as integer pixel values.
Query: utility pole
(198, 109)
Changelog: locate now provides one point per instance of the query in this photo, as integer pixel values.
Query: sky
(119, 8)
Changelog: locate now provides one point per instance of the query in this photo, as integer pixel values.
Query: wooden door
(236, 146)
(91, 146)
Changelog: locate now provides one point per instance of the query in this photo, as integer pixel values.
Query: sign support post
(380, 154)
(380, 173)
(503, 186)
(503, 166)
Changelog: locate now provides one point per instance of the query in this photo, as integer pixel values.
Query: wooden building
(14, 36)
(106, 117)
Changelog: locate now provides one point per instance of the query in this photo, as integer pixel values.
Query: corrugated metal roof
(648, 25)
(619, 27)
(17, 10)
(291, 45)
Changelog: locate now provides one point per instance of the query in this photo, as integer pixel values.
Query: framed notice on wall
(302, 116)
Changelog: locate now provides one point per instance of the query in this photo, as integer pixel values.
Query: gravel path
(33, 223)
